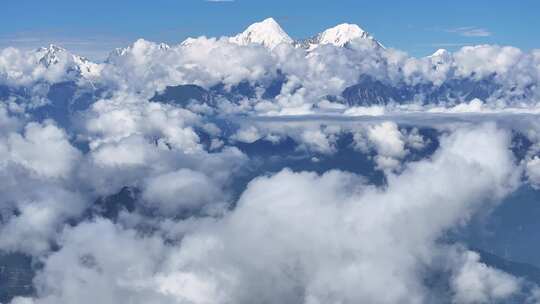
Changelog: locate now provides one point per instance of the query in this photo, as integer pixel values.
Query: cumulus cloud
(315, 237)
(533, 171)
(339, 232)
(317, 141)
(389, 143)
(475, 282)
(43, 149)
(111, 120)
(41, 211)
(203, 61)
(37, 195)
(181, 190)
(115, 265)
(248, 135)
(387, 140)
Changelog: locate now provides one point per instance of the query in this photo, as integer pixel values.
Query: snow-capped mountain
(50, 55)
(55, 55)
(188, 42)
(441, 56)
(140, 43)
(267, 32)
(440, 53)
(270, 34)
(339, 35)
(438, 78)
(87, 68)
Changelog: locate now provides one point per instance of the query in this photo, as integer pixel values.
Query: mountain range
(154, 114)
(270, 34)
(267, 33)
(375, 75)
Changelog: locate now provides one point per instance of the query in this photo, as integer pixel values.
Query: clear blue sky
(418, 27)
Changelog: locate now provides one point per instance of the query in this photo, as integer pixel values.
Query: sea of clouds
(210, 226)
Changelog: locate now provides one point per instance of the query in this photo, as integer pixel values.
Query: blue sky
(95, 27)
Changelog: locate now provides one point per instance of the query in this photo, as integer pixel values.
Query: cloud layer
(259, 181)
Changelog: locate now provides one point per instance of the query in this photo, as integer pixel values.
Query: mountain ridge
(270, 34)
(54, 55)
(340, 35)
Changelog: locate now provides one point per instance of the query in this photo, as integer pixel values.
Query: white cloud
(474, 106)
(387, 139)
(113, 264)
(365, 111)
(247, 135)
(131, 151)
(388, 142)
(43, 149)
(475, 282)
(111, 120)
(43, 210)
(315, 236)
(324, 234)
(318, 141)
(181, 190)
(533, 171)
(471, 31)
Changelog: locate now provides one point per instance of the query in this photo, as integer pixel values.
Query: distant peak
(267, 32)
(269, 20)
(164, 46)
(56, 55)
(440, 52)
(441, 56)
(342, 34)
(352, 29)
(51, 55)
(339, 35)
(52, 48)
(140, 44)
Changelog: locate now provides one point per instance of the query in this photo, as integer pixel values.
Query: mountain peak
(339, 35)
(441, 56)
(51, 55)
(140, 44)
(270, 21)
(440, 53)
(52, 48)
(54, 55)
(342, 34)
(267, 32)
(51, 51)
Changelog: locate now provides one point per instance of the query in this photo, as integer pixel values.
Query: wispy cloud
(470, 31)
(444, 44)
(219, 0)
(95, 47)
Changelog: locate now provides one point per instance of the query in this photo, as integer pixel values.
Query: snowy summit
(270, 34)
(342, 34)
(441, 56)
(54, 55)
(267, 32)
(440, 53)
(339, 36)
